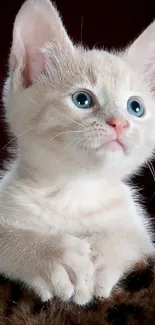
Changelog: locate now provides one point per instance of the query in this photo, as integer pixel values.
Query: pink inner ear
(27, 44)
(34, 65)
(31, 67)
(36, 24)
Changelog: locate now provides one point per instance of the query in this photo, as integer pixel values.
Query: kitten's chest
(80, 211)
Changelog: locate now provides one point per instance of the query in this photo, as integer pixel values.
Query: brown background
(110, 23)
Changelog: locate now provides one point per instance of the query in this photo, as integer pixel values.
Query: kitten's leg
(116, 251)
(57, 265)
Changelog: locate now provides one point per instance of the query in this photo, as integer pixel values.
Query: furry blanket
(132, 302)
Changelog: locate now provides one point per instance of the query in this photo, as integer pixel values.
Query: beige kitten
(84, 120)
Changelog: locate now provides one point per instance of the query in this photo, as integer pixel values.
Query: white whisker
(72, 120)
(83, 122)
(65, 132)
(16, 137)
(151, 168)
(84, 146)
(78, 142)
(49, 141)
(70, 143)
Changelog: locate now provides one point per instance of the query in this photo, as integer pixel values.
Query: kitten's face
(90, 107)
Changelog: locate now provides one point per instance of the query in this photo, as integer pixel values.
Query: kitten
(84, 120)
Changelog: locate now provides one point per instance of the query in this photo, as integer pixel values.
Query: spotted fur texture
(132, 303)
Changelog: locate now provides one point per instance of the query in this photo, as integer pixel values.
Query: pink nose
(118, 124)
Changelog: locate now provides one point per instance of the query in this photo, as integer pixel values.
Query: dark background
(110, 23)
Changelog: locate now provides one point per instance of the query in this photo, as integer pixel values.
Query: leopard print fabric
(132, 303)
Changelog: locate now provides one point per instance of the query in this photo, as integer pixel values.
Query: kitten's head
(79, 107)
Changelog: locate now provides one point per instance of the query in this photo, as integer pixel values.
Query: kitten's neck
(56, 173)
(78, 191)
(43, 167)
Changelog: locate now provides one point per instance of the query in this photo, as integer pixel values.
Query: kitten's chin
(113, 158)
(111, 146)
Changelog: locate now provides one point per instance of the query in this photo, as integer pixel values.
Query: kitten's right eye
(82, 99)
(135, 107)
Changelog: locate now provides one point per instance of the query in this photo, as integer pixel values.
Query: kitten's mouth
(113, 145)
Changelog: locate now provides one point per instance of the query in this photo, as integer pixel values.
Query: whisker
(16, 137)
(70, 143)
(151, 168)
(65, 132)
(72, 120)
(49, 141)
(84, 146)
(78, 142)
(98, 43)
(83, 121)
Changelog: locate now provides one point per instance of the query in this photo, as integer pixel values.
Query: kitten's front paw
(107, 267)
(105, 279)
(112, 261)
(66, 273)
(76, 261)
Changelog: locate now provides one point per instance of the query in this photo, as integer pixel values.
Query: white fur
(69, 225)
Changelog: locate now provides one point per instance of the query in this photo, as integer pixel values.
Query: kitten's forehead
(99, 71)
(111, 70)
(108, 75)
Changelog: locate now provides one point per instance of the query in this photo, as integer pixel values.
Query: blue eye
(135, 107)
(82, 99)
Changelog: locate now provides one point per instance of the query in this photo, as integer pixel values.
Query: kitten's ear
(142, 52)
(36, 24)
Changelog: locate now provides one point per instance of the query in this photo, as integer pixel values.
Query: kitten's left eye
(82, 99)
(135, 107)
